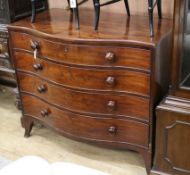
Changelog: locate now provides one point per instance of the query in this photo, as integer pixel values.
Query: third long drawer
(86, 102)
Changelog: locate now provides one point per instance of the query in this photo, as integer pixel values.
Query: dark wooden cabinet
(6, 69)
(99, 87)
(173, 114)
(10, 11)
(172, 137)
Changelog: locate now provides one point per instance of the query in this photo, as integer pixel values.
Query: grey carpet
(3, 162)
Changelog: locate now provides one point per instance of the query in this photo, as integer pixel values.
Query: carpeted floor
(4, 162)
(54, 147)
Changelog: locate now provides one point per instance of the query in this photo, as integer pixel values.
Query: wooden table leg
(159, 6)
(150, 11)
(76, 12)
(33, 11)
(127, 7)
(97, 13)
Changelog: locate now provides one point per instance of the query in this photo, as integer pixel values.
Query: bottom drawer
(86, 127)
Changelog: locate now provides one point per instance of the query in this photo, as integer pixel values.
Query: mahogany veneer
(135, 58)
(87, 102)
(99, 87)
(81, 78)
(82, 126)
(172, 137)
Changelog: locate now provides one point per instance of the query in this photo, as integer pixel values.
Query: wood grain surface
(98, 79)
(137, 7)
(91, 128)
(127, 106)
(114, 29)
(89, 55)
(99, 86)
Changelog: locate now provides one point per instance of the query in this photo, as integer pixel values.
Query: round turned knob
(110, 56)
(45, 112)
(112, 130)
(37, 66)
(35, 45)
(111, 105)
(111, 81)
(42, 88)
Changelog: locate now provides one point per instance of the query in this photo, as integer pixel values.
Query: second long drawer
(122, 80)
(110, 104)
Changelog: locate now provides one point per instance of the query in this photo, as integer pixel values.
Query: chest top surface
(58, 24)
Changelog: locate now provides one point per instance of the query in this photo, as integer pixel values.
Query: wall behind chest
(137, 6)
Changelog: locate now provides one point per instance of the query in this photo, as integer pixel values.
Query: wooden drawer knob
(37, 66)
(111, 81)
(110, 56)
(112, 130)
(111, 105)
(35, 45)
(45, 112)
(42, 88)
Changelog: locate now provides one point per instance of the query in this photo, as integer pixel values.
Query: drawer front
(87, 103)
(105, 56)
(86, 127)
(85, 78)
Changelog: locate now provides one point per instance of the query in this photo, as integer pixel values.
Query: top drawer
(104, 56)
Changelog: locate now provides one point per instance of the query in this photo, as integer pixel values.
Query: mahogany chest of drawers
(99, 87)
